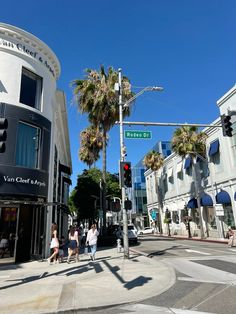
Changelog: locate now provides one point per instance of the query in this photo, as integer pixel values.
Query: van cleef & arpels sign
(23, 181)
(22, 48)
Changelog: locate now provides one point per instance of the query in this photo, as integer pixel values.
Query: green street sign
(138, 134)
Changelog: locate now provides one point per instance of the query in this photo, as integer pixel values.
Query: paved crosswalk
(211, 270)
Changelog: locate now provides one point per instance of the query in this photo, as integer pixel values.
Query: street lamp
(123, 151)
(148, 88)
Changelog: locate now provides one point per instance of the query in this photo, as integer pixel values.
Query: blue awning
(214, 148)
(192, 203)
(235, 196)
(187, 163)
(223, 198)
(206, 200)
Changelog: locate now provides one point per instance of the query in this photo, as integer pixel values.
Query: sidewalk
(36, 287)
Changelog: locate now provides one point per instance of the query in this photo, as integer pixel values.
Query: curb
(193, 239)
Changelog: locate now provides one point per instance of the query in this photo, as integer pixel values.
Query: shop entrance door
(8, 230)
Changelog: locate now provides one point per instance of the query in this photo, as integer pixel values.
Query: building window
(203, 167)
(27, 146)
(31, 89)
(175, 217)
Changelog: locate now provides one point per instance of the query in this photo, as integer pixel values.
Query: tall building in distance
(139, 197)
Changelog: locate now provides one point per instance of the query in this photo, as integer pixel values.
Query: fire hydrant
(119, 247)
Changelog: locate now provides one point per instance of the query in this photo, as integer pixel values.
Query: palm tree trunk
(104, 170)
(196, 186)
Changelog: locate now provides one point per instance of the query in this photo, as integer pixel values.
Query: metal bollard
(119, 247)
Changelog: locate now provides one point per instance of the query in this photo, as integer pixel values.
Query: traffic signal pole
(122, 158)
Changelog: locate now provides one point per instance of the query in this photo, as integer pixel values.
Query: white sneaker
(49, 261)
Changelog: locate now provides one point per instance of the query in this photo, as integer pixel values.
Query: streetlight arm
(147, 88)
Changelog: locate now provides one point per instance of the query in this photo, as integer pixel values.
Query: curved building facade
(35, 162)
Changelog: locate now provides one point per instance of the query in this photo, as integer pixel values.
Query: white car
(132, 234)
(146, 230)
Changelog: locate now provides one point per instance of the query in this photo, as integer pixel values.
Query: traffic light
(128, 205)
(226, 125)
(115, 206)
(125, 174)
(3, 134)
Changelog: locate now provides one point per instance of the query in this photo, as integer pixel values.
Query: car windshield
(130, 227)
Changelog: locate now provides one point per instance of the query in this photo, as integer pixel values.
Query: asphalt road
(205, 277)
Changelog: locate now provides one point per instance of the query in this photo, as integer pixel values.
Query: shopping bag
(86, 250)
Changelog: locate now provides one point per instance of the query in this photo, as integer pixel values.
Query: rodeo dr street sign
(138, 134)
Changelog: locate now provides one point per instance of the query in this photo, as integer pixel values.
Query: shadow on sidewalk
(137, 282)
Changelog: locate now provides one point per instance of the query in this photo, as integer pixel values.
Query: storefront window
(175, 217)
(228, 217)
(8, 222)
(195, 216)
(27, 146)
(211, 219)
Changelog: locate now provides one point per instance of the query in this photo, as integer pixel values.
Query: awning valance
(192, 203)
(214, 148)
(223, 198)
(187, 163)
(67, 180)
(206, 200)
(65, 169)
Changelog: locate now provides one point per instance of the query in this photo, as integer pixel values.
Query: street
(205, 277)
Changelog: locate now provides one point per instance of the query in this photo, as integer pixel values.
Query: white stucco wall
(21, 49)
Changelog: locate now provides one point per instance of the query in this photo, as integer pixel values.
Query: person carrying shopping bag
(54, 245)
(91, 240)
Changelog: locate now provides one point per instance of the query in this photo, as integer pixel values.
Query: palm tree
(96, 96)
(153, 160)
(90, 145)
(187, 142)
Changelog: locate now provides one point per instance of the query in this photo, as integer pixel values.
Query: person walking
(73, 244)
(54, 245)
(91, 240)
(231, 237)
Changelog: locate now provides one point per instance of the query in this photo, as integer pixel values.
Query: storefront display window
(27, 146)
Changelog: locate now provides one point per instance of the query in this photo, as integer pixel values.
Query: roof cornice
(16, 33)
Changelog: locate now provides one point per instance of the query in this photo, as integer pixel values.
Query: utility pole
(122, 158)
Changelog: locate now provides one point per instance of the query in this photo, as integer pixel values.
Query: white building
(173, 188)
(35, 160)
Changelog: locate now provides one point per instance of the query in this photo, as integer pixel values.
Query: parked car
(132, 234)
(146, 230)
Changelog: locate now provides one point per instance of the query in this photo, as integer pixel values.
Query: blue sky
(186, 46)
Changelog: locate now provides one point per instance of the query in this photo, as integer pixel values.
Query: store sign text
(25, 50)
(22, 180)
